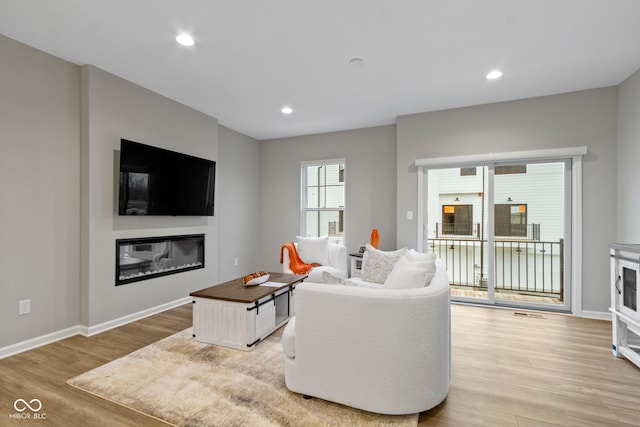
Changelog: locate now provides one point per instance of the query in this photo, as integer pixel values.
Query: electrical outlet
(24, 307)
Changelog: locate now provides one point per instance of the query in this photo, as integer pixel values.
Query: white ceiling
(252, 57)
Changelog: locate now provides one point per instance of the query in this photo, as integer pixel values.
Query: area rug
(185, 383)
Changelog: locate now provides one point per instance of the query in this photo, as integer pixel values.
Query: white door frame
(573, 153)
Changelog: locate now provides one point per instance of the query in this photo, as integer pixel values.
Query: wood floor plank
(506, 371)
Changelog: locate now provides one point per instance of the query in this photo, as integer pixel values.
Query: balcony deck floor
(510, 296)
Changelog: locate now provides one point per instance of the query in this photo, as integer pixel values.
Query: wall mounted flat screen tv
(155, 181)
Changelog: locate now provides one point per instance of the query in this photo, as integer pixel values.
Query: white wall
(113, 108)
(39, 192)
(586, 118)
(238, 204)
(370, 180)
(628, 173)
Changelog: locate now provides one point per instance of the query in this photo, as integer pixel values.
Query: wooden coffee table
(238, 316)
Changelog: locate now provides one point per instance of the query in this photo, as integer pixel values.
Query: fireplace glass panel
(145, 258)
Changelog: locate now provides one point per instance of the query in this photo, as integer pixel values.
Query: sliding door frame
(573, 154)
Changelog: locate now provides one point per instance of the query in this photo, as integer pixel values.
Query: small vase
(375, 238)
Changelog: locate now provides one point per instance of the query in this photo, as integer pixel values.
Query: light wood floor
(506, 371)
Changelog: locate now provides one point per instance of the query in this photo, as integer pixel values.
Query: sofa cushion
(377, 264)
(316, 273)
(330, 279)
(359, 283)
(314, 249)
(407, 274)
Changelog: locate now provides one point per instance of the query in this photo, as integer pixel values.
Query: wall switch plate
(235, 261)
(409, 215)
(24, 307)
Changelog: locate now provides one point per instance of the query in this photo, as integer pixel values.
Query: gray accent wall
(370, 180)
(238, 204)
(113, 108)
(586, 118)
(39, 192)
(60, 130)
(628, 172)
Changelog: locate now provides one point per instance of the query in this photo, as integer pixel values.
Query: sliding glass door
(531, 208)
(502, 229)
(457, 224)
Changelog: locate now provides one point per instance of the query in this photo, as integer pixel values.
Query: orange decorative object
(295, 263)
(375, 238)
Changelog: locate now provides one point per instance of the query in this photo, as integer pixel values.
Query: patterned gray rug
(184, 383)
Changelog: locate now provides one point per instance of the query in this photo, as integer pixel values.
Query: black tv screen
(155, 181)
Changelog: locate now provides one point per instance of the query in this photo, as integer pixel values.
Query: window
(457, 220)
(511, 220)
(323, 199)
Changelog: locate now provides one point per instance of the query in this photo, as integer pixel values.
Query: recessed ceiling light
(495, 74)
(185, 39)
(287, 110)
(356, 62)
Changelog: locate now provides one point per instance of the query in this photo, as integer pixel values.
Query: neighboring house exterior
(529, 226)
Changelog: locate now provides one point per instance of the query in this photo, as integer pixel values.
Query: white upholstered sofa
(379, 350)
(332, 256)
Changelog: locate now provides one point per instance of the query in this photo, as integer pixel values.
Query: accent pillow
(414, 255)
(377, 264)
(408, 274)
(314, 249)
(422, 257)
(330, 279)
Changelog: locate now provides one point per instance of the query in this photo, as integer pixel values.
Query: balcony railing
(459, 230)
(526, 267)
(472, 231)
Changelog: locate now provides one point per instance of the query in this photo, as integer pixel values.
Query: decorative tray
(256, 278)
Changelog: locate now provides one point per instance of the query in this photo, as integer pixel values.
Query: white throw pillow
(377, 264)
(414, 255)
(314, 250)
(408, 274)
(421, 257)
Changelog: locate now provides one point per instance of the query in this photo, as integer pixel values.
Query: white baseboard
(93, 330)
(598, 315)
(32, 343)
(87, 331)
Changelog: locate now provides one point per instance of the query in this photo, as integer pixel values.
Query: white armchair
(379, 350)
(337, 265)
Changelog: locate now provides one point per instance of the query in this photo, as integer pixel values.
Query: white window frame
(303, 196)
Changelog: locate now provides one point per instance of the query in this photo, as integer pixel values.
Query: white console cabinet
(625, 298)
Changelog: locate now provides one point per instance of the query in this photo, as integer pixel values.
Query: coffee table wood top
(235, 291)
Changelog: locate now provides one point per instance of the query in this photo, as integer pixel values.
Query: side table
(356, 264)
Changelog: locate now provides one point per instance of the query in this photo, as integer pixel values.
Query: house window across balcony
(457, 220)
(323, 199)
(511, 220)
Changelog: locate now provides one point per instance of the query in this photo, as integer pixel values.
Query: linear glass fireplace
(145, 258)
